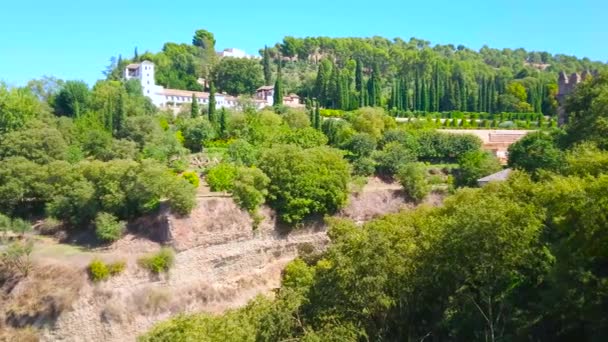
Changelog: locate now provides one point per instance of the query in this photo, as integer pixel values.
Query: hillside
(348, 73)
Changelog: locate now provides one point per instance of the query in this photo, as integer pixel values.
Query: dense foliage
(517, 260)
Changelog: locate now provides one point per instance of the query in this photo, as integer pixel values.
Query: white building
(175, 98)
(235, 53)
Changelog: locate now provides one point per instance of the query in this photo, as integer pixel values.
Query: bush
(159, 262)
(392, 157)
(241, 152)
(361, 145)
(364, 166)
(192, 178)
(305, 182)
(413, 178)
(535, 151)
(221, 177)
(108, 228)
(250, 188)
(100, 271)
(182, 197)
(117, 268)
(475, 165)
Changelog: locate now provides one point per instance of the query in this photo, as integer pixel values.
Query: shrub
(98, 271)
(182, 197)
(117, 268)
(108, 228)
(221, 177)
(241, 152)
(192, 178)
(305, 182)
(475, 165)
(159, 262)
(535, 151)
(392, 157)
(412, 177)
(364, 166)
(250, 188)
(361, 145)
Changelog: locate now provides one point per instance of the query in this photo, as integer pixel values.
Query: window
(148, 82)
(148, 91)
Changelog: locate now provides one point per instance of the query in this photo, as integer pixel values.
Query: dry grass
(151, 300)
(40, 298)
(21, 335)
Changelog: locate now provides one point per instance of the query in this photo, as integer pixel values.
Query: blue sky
(75, 39)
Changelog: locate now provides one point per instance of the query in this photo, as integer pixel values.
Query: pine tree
(211, 111)
(277, 97)
(267, 66)
(194, 109)
(222, 127)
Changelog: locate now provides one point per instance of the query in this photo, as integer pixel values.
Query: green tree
(212, 103)
(17, 107)
(250, 189)
(588, 113)
(108, 228)
(73, 99)
(305, 182)
(277, 97)
(221, 177)
(474, 165)
(238, 76)
(413, 178)
(222, 123)
(204, 39)
(267, 65)
(196, 131)
(194, 109)
(535, 151)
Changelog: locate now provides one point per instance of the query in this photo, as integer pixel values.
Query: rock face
(220, 263)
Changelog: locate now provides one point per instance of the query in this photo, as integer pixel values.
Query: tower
(144, 72)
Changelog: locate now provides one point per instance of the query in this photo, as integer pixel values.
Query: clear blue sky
(75, 39)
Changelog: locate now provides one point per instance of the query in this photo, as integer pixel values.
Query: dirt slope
(221, 263)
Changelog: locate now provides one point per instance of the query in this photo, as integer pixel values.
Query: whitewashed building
(235, 53)
(175, 98)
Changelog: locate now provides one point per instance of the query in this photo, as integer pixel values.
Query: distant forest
(349, 73)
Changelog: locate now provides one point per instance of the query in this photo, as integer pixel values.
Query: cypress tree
(359, 77)
(373, 88)
(406, 95)
(311, 113)
(416, 91)
(323, 82)
(194, 110)
(333, 98)
(135, 55)
(267, 66)
(121, 113)
(317, 123)
(277, 98)
(223, 123)
(371, 94)
(211, 111)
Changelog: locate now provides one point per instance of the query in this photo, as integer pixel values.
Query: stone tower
(566, 86)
